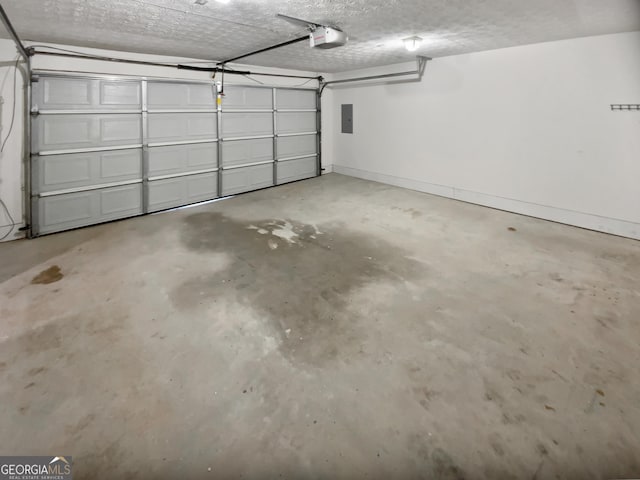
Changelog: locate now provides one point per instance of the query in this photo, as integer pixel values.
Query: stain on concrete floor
(299, 278)
(50, 275)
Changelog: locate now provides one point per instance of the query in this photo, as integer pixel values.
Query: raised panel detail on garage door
(246, 179)
(295, 122)
(298, 169)
(85, 131)
(177, 96)
(178, 191)
(295, 99)
(246, 124)
(297, 146)
(62, 212)
(119, 95)
(79, 170)
(182, 127)
(247, 98)
(85, 94)
(177, 159)
(242, 152)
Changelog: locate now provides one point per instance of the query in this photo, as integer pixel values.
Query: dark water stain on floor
(50, 275)
(92, 357)
(302, 287)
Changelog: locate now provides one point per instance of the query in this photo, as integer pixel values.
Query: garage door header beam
(227, 70)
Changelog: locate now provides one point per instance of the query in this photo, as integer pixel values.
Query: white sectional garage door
(106, 148)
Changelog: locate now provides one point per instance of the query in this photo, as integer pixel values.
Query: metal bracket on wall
(625, 106)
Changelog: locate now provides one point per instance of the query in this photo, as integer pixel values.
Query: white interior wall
(525, 129)
(329, 120)
(11, 160)
(11, 156)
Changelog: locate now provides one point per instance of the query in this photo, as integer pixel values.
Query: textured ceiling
(375, 27)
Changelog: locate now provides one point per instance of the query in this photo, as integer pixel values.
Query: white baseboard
(589, 221)
(327, 169)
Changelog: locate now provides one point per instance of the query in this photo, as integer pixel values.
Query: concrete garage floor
(332, 328)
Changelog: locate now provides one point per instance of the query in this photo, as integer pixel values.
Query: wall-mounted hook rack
(625, 106)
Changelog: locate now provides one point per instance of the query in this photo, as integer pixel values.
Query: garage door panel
(298, 169)
(62, 93)
(120, 130)
(180, 96)
(119, 202)
(174, 192)
(62, 132)
(247, 98)
(120, 94)
(85, 94)
(295, 99)
(166, 193)
(297, 146)
(202, 126)
(62, 212)
(296, 122)
(246, 124)
(67, 211)
(178, 127)
(62, 172)
(202, 187)
(120, 165)
(246, 179)
(241, 152)
(182, 158)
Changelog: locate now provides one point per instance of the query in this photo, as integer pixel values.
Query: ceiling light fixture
(412, 43)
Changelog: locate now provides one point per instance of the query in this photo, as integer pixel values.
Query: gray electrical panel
(347, 118)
